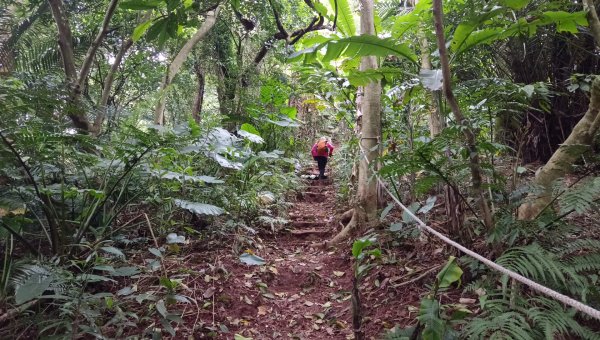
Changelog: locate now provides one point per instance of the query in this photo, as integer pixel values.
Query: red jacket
(326, 153)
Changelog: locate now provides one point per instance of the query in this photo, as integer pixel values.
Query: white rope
(516, 276)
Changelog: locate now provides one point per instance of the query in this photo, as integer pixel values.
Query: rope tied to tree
(492, 265)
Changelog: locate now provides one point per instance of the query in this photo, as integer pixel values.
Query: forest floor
(304, 291)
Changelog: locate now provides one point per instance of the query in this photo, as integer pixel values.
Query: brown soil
(304, 290)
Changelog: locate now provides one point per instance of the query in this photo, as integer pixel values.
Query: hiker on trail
(321, 151)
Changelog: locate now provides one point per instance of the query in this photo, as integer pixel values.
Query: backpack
(322, 147)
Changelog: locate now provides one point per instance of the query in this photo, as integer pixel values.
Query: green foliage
(356, 47)
(345, 19)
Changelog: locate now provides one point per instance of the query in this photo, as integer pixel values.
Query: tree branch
(209, 22)
(474, 163)
(91, 52)
(593, 20)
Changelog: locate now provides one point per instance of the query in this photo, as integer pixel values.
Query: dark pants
(322, 162)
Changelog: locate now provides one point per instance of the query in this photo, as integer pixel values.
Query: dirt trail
(303, 291)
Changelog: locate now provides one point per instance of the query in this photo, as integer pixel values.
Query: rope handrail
(516, 276)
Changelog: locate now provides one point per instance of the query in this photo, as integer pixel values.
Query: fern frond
(540, 265)
(504, 326)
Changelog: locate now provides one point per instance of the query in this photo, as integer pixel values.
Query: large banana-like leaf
(367, 45)
(345, 20)
(356, 47)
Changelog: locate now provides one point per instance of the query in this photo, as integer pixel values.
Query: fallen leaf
(319, 268)
(240, 337)
(308, 303)
(209, 292)
(247, 300)
(273, 270)
(327, 304)
(262, 310)
(339, 274)
(466, 301)
(269, 295)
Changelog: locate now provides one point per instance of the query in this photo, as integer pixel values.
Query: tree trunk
(108, 82)
(209, 22)
(474, 164)
(575, 145)
(371, 122)
(562, 160)
(76, 81)
(368, 125)
(199, 100)
(436, 124)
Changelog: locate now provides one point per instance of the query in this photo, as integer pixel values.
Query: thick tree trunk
(575, 145)
(474, 164)
(568, 153)
(199, 100)
(371, 122)
(369, 129)
(175, 66)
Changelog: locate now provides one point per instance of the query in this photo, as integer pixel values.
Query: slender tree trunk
(76, 80)
(108, 82)
(474, 163)
(199, 100)
(436, 124)
(175, 66)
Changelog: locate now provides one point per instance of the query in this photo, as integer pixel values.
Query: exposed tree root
(347, 216)
(358, 217)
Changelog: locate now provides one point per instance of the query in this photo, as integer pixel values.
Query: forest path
(303, 291)
(312, 285)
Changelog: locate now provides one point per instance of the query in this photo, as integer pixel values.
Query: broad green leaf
(125, 271)
(359, 245)
(565, 21)
(140, 30)
(249, 128)
(251, 137)
(449, 274)
(199, 208)
(289, 111)
(428, 205)
(345, 18)
(157, 28)
(32, 288)
(251, 259)
(141, 4)
(113, 250)
(396, 226)
(406, 218)
(386, 211)
(464, 30)
(366, 45)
